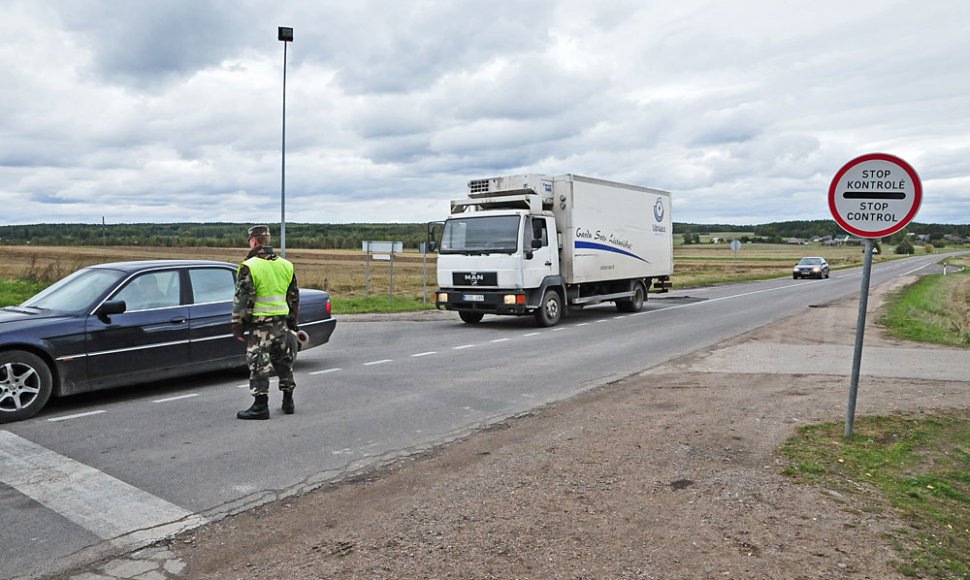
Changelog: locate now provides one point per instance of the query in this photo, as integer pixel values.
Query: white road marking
(533, 333)
(77, 416)
(430, 352)
(500, 340)
(176, 398)
(325, 371)
(377, 362)
(104, 505)
(583, 324)
(559, 329)
(463, 346)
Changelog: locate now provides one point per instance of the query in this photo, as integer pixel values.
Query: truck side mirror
(536, 244)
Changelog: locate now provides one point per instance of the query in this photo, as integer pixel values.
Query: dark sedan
(811, 267)
(125, 323)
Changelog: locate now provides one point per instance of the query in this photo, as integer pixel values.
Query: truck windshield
(480, 235)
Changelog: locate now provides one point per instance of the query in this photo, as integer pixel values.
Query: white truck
(534, 244)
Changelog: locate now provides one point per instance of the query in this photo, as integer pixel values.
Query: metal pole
(859, 335)
(390, 287)
(283, 166)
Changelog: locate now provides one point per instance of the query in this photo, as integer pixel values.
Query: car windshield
(480, 235)
(76, 292)
(809, 262)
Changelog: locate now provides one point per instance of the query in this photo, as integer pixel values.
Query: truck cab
(498, 253)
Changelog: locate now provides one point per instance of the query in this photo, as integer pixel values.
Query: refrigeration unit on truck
(534, 244)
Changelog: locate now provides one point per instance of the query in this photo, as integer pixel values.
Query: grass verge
(366, 304)
(934, 309)
(918, 469)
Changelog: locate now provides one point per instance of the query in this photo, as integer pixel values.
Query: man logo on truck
(658, 209)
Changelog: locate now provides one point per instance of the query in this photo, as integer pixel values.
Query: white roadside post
(871, 197)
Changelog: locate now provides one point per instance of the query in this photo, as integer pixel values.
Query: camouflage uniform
(268, 346)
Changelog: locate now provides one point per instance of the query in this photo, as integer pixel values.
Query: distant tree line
(350, 236)
(780, 232)
(214, 235)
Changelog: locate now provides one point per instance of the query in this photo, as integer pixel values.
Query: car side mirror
(111, 307)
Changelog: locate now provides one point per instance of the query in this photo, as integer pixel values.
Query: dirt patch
(668, 474)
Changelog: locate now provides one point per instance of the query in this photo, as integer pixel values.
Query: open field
(344, 273)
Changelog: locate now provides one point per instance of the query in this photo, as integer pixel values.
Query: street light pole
(285, 35)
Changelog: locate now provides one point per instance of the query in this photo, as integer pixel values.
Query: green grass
(364, 304)
(917, 469)
(16, 291)
(934, 309)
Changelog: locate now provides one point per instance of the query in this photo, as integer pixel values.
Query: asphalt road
(101, 473)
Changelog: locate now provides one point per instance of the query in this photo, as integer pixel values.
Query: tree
(905, 247)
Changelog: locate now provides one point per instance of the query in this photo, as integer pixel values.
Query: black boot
(288, 407)
(259, 410)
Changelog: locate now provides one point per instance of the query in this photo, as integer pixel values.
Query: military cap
(257, 231)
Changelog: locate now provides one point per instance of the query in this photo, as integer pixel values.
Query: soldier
(267, 304)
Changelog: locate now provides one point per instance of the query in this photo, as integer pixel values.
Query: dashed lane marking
(176, 398)
(420, 354)
(377, 362)
(325, 371)
(75, 416)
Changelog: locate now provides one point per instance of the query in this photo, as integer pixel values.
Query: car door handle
(548, 263)
(178, 320)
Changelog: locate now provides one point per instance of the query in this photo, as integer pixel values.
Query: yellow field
(344, 272)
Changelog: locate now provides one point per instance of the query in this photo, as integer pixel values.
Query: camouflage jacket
(242, 301)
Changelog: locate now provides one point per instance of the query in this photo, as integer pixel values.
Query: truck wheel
(25, 385)
(550, 309)
(633, 304)
(470, 317)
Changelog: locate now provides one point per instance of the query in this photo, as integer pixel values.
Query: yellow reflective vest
(272, 279)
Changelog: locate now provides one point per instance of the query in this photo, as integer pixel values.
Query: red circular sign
(875, 195)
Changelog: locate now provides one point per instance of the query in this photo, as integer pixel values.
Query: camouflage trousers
(269, 349)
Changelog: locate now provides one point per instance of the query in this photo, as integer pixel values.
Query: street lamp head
(285, 34)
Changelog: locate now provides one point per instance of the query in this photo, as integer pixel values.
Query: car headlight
(816, 269)
(795, 269)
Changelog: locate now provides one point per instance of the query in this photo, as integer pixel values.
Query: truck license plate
(474, 298)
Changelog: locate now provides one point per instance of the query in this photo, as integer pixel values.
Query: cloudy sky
(171, 110)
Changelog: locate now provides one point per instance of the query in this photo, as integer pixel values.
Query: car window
(212, 284)
(77, 291)
(151, 290)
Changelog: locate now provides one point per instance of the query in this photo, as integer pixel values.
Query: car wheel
(470, 317)
(25, 385)
(634, 304)
(794, 276)
(550, 310)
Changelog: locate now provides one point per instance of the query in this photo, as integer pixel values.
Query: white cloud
(171, 111)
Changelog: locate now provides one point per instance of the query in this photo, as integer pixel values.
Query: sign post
(390, 248)
(872, 196)
(735, 245)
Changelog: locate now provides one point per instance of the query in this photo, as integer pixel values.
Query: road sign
(875, 195)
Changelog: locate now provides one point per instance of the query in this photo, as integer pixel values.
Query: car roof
(138, 265)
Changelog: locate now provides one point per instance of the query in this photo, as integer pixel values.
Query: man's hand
(237, 331)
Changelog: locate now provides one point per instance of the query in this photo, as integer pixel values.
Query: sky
(165, 111)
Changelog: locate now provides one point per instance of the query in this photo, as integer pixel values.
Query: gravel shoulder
(671, 473)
